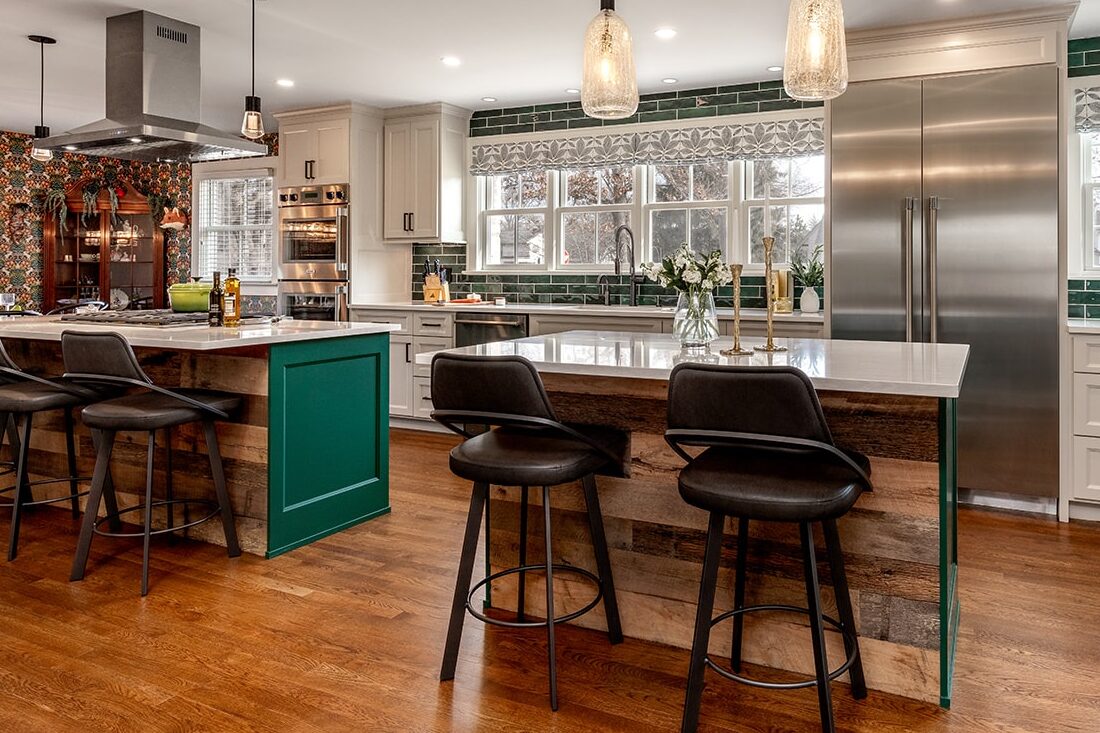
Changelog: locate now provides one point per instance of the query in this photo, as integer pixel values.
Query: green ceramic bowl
(190, 297)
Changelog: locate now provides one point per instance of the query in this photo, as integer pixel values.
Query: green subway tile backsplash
(1084, 298)
(1084, 56)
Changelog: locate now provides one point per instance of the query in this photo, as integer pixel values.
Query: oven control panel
(336, 195)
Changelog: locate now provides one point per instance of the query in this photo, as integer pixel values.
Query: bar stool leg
(523, 504)
(550, 600)
(109, 498)
(22, 490)
(169, 493)
(700, 643)
(817, 628)
(70, 448)
(100, 477)
(603, 559)
(148, 528)
(739, 593)
(479, 497)
(844, 607)
(228, 526)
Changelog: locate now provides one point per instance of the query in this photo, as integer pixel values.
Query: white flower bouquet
(687, 271)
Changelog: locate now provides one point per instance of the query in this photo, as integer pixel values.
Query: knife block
(436, 291)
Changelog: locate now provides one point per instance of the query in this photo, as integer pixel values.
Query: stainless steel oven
(313, 232)
(314, 300)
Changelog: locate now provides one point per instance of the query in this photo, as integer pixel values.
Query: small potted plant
(695, 277)
(810, 271)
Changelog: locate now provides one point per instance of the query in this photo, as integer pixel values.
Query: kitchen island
(306, 455)
(893, 401)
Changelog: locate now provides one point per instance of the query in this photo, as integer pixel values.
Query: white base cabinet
(1081, 431)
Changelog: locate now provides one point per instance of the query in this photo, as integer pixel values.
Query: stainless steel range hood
(153, 99)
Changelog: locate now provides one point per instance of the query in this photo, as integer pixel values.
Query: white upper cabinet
(424, 173)
(315, 153)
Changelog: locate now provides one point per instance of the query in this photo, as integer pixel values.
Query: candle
(767, 210)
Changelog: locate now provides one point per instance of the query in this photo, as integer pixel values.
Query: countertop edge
(748, 314)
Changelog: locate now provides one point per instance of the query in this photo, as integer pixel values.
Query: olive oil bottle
(231, 301)
(215, 311)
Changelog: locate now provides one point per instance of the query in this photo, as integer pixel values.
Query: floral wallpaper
(23, 182)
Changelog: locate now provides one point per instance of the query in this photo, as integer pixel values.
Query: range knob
(282, 197)
(293, 197)
(330, 195)
(340, 195)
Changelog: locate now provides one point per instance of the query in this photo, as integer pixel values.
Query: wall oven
(313, 232)
(314, 300)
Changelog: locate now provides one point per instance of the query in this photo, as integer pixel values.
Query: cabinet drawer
(399, 318)
(425, 345)
(1086, 354)
(1086, 404)
(542, 325)
(433, 324)
(1086, 468)
(422, 398)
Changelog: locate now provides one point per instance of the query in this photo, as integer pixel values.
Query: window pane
(708, 230)
(769, 176)
(518, 190)
(588, 238)
(668, 232)
(617, 184)
(756, 234)
(514, 239)
(806, 226)
(581, 188)
(808, 177)
(607, 223)
(1094, 156)
(671, 182)
(711, 181)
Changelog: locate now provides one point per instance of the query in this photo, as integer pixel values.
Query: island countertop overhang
(194, 338)
(871, 367)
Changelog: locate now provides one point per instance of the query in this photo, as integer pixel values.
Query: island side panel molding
(950, 608)
(328, 437)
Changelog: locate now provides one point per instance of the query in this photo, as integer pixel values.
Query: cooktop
(155, 318)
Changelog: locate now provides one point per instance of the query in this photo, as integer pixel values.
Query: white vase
(809, 302)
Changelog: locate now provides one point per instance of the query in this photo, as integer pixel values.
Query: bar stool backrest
(101, 354)
(501, 385)
(6, 363)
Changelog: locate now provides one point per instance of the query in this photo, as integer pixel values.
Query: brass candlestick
(735, 271)
(770, 294)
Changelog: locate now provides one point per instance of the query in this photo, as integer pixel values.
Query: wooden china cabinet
(119, 261)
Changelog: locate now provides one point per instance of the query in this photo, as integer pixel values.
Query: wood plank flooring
(346, 635)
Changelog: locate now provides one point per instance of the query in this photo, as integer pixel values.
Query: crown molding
(1052, 14)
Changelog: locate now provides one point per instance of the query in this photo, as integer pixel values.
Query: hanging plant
(90, 195)
(54, 203)
(112, 201)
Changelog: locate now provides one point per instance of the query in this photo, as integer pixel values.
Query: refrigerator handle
(907, 253)
(933, 291)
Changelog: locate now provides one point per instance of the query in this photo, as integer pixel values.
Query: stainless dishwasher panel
(472, 329)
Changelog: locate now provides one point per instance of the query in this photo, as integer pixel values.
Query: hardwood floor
(347, 635)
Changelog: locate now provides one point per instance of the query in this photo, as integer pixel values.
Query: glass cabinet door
(132, 261)
(77, 263)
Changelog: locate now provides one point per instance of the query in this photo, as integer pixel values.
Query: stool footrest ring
(527, 569)
(41, 482)
(215, 510)
(729, 675)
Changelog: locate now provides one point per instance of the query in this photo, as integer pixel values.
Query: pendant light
(610, 88)
(253, 125)
(40, 130)
(816, 67)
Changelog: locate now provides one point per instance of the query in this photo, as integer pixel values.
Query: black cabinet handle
(407, 359)
(412, 221)
(305, 164)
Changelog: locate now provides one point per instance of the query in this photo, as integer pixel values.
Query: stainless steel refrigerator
(944, 228)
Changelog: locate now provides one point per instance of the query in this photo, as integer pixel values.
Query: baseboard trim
(1009, 502)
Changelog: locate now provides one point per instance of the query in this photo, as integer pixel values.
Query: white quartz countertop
(878, 367)
(192, 338)
(1081, 325)
(637, 311)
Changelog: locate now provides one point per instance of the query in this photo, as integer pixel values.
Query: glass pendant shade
(253, 125)
(816, 66)
(42, 156)
(610, 88)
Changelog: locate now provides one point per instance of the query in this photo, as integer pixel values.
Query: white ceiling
(388, 53)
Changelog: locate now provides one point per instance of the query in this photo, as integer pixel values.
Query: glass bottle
(231, 301)
(216, 301)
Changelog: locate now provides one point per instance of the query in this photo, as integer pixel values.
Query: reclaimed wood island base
(305, 456)
(899, 541)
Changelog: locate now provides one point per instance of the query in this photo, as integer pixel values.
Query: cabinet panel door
(426, 345)
(296, 146)
(424, 186)
(1086, 354)
(395, 176)
(333, 153)
(1086, 468)
(541, 325)
(401, 377)
(422, 397)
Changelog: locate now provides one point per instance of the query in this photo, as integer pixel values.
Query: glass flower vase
(696, 321)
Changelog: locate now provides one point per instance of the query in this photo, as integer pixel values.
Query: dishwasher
(472, 329)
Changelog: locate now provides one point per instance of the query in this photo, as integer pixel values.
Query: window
(565, 221)
(1091, 176)
(235, 226)
(796, 190)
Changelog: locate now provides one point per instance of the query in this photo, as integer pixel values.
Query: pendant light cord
(42, 84)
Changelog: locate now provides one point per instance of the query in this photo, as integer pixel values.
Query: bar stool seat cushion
(527, 457)
(756, 483)
(152, 411)
(23, 397)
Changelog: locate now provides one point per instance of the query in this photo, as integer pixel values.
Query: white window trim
(240, 168)
(1079, 237)
(1086, 260)
(731, 251)
(636, 223)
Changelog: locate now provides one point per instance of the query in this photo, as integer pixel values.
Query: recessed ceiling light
(665, 34)
(488, 99)
(70, 147)
(451, 60)
(572, 91)
(775, 68)
(135, 140)
(285, 82)
(669, 80)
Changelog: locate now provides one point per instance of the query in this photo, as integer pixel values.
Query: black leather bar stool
(769, 456)
(22, 396)
(107, 359)
(524, 445)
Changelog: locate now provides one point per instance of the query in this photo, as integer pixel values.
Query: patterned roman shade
(1088, 110)
(750, 141)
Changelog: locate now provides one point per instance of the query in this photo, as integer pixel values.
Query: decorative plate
(119, 299)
